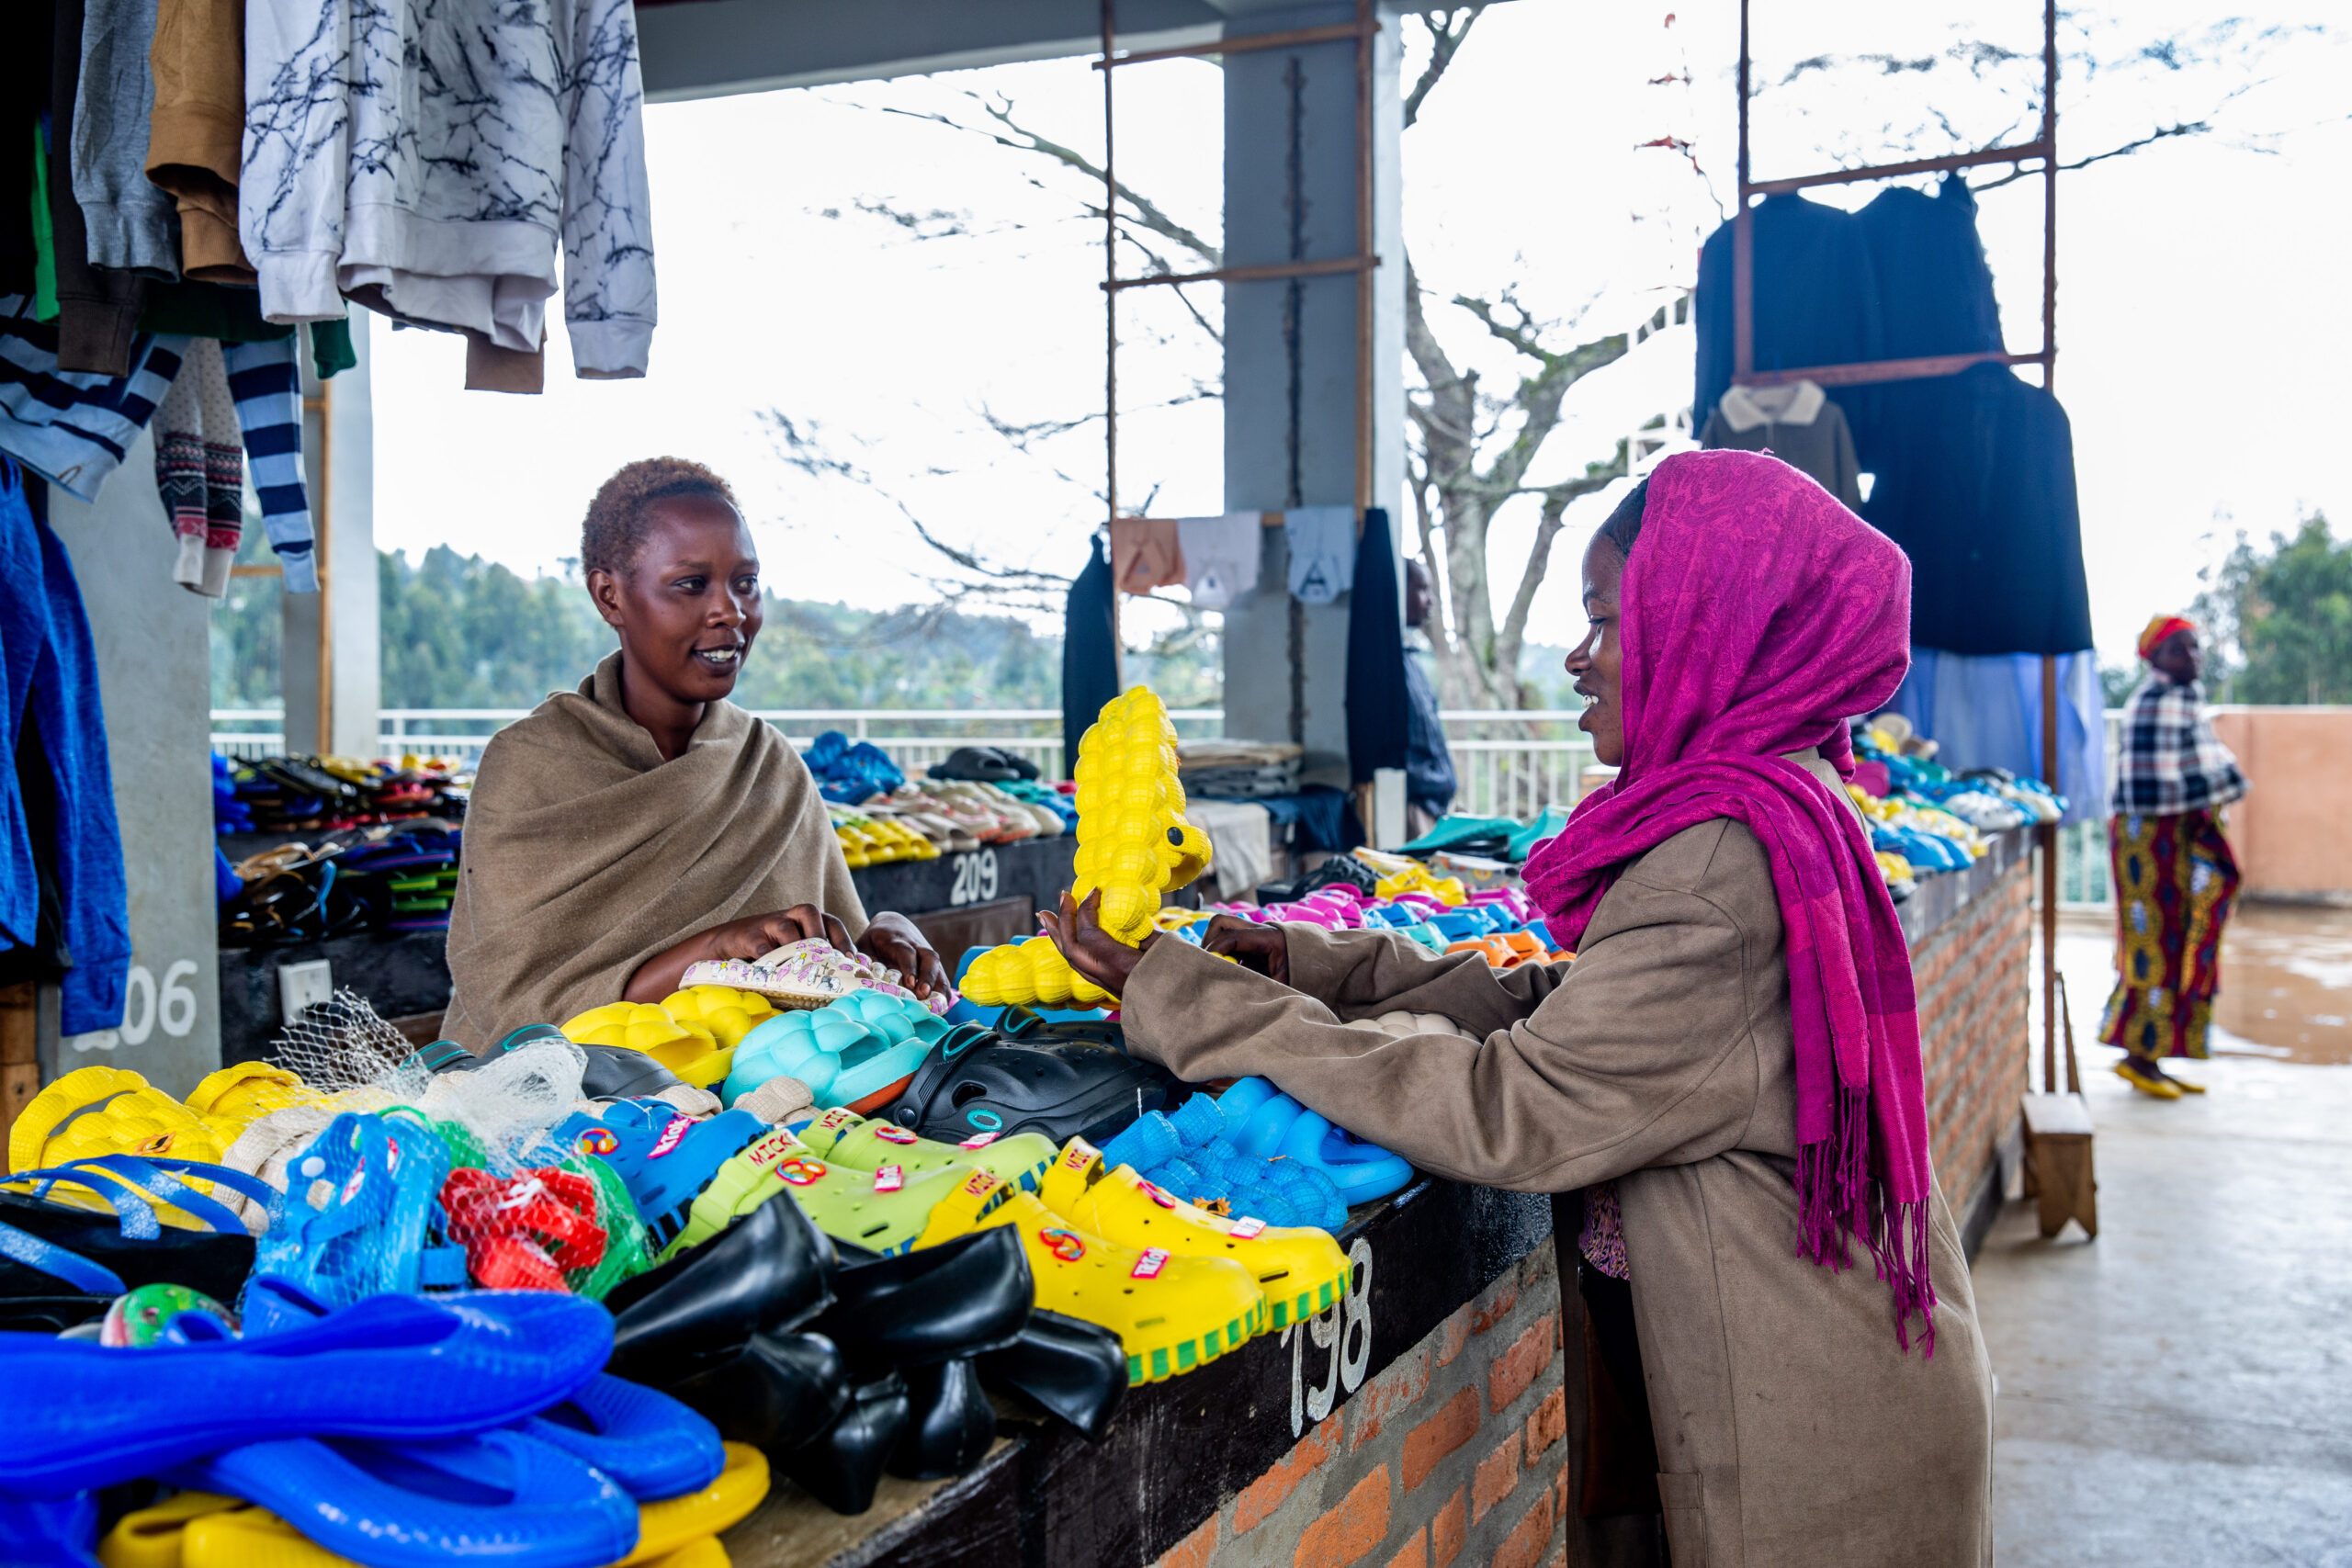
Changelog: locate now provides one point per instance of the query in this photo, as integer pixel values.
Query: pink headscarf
(1758, 613)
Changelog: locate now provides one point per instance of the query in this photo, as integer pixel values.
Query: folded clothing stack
(850, 772)
(1239, 770)
(395, 882)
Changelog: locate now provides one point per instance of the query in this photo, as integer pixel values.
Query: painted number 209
(1345, 1330)
(975, 879)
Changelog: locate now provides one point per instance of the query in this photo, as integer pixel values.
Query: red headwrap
(2160, 628)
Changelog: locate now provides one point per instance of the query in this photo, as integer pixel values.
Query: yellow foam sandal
(689, 1050)
(2153, 1088)
(728, 1014)
(243, 1093)
(1300, 1269)
(108, 1111)
(1172, 1313)
(2185, 1086)
(846, 1138)
(1029, 974)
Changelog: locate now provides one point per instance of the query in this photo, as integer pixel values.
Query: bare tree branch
(1447, 29)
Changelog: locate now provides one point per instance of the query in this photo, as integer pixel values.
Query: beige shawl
(586, 853)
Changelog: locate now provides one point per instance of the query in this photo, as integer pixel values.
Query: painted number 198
(1345, 1330)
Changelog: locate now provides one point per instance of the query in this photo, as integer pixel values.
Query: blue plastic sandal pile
(397, 1431)
(849, 772)
(1258, 1151)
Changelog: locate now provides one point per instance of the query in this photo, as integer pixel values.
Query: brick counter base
(1452, 1453)
(1972, 973)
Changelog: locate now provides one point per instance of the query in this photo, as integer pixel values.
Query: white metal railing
(1506, 763)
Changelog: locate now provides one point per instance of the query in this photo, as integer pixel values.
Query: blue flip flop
(653, 1446)
(392, 1367)
(500, 1497)
(49, 1533)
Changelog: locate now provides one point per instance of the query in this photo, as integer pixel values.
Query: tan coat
(1791, 1429)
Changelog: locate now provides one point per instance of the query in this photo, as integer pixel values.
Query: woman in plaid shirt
(2175, 878)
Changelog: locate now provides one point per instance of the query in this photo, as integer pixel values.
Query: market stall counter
(1435, 1411)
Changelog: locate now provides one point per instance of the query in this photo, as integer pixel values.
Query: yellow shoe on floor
(2153, 1088)
(2185, 1086)
(1172, 1313)
(1299, 1269)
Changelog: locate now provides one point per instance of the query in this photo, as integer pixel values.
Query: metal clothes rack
(2044, 148)
(1359, 265)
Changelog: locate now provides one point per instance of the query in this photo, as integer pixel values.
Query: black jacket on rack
(1816, 298)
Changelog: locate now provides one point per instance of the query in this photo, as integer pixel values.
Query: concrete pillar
(338, 459)
(154, 679)
(1291, 355)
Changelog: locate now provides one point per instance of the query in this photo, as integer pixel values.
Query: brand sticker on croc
(889, 1179)
(597, 1141)
(1148, 1266)
(671, 1136)
(1064, 1245)
(802, 1171)
(891, 1133)
(977, 1140)
(1247, 1227)
(1158, 1195)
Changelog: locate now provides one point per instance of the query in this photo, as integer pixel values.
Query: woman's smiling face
(687, 606)
(1598, 662)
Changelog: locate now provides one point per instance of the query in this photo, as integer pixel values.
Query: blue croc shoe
(664, 1157)
(653, 1446)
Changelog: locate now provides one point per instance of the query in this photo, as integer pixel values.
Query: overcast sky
(2204, 328)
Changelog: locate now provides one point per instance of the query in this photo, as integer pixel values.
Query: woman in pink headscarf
(1729, 1072)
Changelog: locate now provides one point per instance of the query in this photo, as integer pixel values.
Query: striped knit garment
(74, 430)
(201, 471)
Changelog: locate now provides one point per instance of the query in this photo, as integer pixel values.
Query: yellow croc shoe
(1300, 1269)
(2146, 1083)
(727, 1013)
(846, 1138)
(1172, 1313)
(689, 1050)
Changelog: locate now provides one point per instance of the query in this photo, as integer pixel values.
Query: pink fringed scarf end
(1838, 1197)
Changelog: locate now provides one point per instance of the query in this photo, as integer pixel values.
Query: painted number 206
(1344, 1330)
(147, 1006)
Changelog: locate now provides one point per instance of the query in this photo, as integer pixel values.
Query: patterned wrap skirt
(2174, 881)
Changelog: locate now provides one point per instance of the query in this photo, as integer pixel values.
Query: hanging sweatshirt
(131, 224)
(195, 140)
(428, 161)
(1796, 423)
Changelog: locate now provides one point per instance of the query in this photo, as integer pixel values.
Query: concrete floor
(2179, 1392)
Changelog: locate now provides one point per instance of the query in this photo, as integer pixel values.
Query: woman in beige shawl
(626, 829)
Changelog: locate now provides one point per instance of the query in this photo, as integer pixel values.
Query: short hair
(614, 526)
(1624, 524)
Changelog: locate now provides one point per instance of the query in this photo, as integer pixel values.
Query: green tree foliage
(2277, 621)
(462, 632)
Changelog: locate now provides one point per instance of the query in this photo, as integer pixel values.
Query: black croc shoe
(950, 1422)
(841, 1465)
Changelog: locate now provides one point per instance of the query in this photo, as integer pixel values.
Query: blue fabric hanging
(1377, 704)
(1089, 652)
(53, 728)
(1987, 713)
